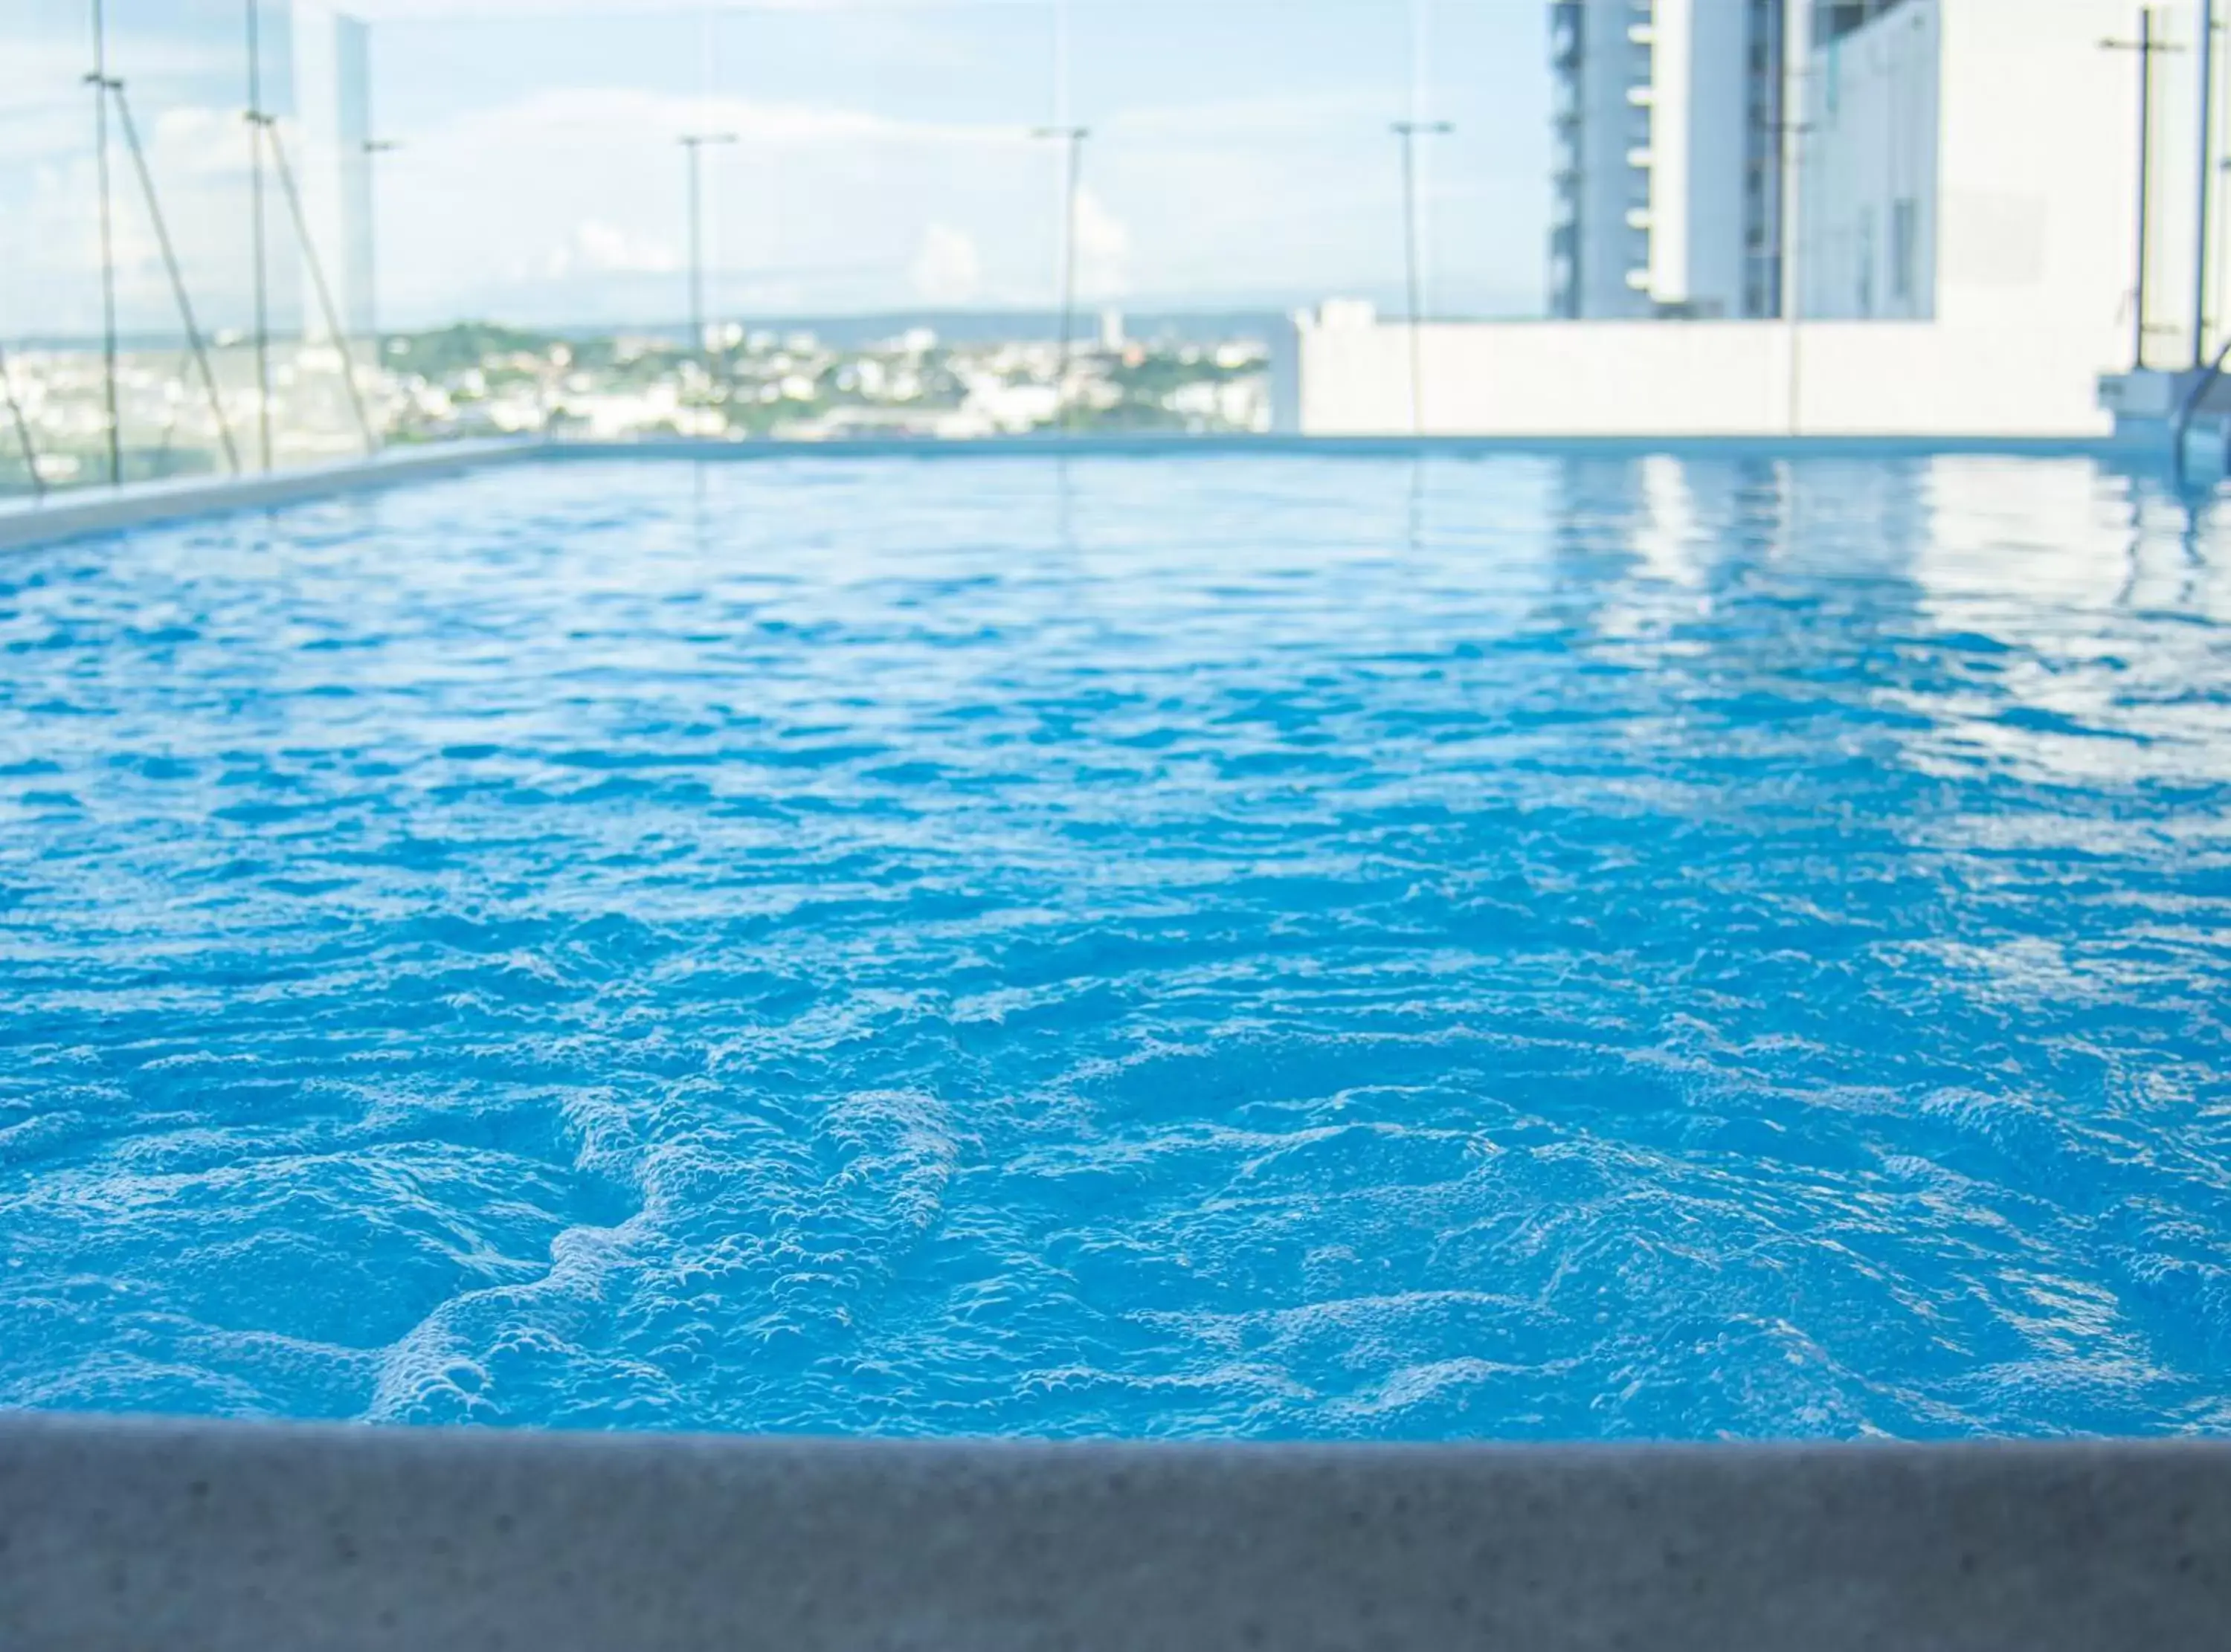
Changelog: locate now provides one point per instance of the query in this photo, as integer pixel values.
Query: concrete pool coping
(183, 1535)
(80, 513)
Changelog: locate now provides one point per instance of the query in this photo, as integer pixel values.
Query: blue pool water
(1524, 948)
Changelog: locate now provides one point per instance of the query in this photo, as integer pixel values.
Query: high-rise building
(1600, 235)
(1670, 138)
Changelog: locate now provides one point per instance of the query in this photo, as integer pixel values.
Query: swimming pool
(1534, 947)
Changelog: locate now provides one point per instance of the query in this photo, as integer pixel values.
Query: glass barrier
(272, 234)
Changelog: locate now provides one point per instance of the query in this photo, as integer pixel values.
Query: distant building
(1669, 126)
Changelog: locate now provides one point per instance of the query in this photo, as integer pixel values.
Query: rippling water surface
(1523, 948)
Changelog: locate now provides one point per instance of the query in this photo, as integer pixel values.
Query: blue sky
(1240, 153)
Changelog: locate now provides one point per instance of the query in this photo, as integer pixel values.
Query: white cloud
(540, 172)
(596, 248)
(1104, 249)
(1357, 113)
(573, 199)
(594, 116)
(193, 141)
(949, 268)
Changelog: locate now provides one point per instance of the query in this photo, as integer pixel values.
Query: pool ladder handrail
(2182, 422)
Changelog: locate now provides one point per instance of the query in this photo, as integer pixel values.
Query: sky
(1239, 154)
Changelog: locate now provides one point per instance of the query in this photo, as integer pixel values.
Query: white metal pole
(2206, 47)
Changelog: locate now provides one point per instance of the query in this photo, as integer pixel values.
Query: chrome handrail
(2190, 404)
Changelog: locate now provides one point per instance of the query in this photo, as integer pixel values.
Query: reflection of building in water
(1667, 548)
(2014, 537)
(1624, 550)
(2072, 590)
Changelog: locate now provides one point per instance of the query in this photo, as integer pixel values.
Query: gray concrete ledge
(83, 511)
(196, 1538)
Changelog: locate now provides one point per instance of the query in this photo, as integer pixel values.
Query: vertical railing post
(256, 119)
(1409, 131)
(2206, 47)
(99, 82)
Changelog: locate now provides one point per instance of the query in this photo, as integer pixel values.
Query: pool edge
(96, 511)
(82, 514)
(244, 1535)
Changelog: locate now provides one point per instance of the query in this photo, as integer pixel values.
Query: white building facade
(1975, 162)
(1961, 228)
(1869, 161)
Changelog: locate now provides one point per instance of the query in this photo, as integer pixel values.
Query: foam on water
(1523, 948)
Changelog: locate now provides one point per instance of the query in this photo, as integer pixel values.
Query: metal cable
(318, 280)
(22, 428)
(177, 279)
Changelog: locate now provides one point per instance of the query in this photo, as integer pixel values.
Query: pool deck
(183, 1535)
(78, 513)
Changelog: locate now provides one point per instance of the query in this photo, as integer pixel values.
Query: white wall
(1694, 379)
(1547, 377)
(2014, 134)
(2175, 170)
(2037, 176)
